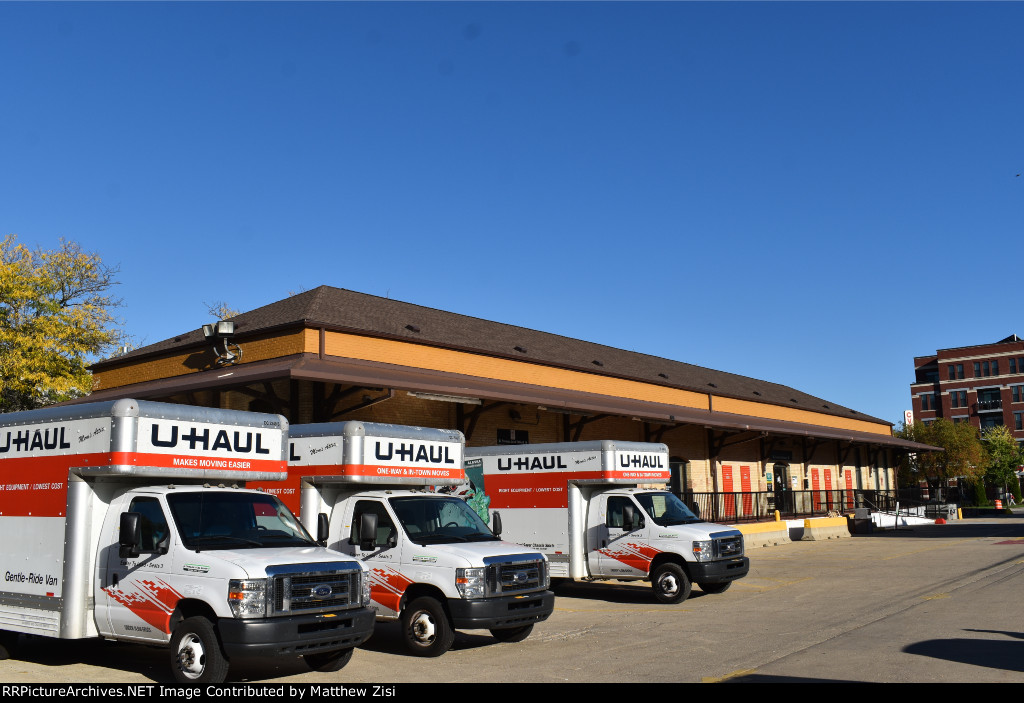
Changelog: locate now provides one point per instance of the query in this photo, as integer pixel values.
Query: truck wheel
(195, 653)
(715, 587)
(426, 629)
(329, 661)
(670, 583)
(512, 634)
(8, 644)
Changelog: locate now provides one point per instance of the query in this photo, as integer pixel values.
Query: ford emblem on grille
(520, 577)
(320, 592)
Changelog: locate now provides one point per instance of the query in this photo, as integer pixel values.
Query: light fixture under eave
(446, 398)
(222, 332)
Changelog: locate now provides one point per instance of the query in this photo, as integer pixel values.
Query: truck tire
(512, 634)
(196, 656)
(329, 661)
(670, 583)
(8, 644)
(425, 628)
(715, 587)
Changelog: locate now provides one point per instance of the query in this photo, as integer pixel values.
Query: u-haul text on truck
(434, 563)
(112, 529)
(579, 504)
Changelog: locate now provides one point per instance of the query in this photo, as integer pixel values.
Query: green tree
(960, 453)
(55, 319)
(1003, 458)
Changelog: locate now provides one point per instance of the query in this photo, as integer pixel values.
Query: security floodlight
(222, 332)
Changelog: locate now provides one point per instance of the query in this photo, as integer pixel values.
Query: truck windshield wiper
(429, 539)
(214, 538)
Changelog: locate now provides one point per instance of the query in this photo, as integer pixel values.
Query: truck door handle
(115, 581)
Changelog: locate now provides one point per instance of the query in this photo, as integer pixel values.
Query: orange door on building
(849, 489)
(748, 498)
(727, 489)
(815, 490)
(828, 488)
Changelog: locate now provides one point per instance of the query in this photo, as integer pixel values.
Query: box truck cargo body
(364, 488)
(112, 529)
(579, 503)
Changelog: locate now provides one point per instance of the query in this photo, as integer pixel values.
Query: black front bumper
(501, 612)
(718, 571)
(295, 635)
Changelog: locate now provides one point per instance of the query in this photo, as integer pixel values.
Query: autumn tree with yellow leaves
(55, 319)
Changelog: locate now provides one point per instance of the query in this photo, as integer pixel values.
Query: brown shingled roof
(344, 310)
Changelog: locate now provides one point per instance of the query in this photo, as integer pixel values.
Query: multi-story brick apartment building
(981, 384)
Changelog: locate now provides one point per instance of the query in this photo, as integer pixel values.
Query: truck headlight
(364, 581)
(703, 550)
(471, 583)
(545, 574)
(247, 597)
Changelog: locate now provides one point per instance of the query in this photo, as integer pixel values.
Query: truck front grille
(731, 546)
(312, 591)
(515, 577)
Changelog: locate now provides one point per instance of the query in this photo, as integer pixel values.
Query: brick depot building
(981, 384)
(329, 354)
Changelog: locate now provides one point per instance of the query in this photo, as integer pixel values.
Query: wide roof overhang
(310, 367)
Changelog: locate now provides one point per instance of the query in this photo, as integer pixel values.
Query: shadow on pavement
(993, 654)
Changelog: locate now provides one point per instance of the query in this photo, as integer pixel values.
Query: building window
(951, 372)
(991, 420)
(929, 401)
(961, 418)
(977, 369)
(958, 399)
(959, 371)
(1013, 366)
(995, 367)
(1018, 421)
(1017, 393)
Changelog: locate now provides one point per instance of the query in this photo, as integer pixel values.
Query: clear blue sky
(806, 193)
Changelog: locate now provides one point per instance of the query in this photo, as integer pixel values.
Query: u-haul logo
(532, 463)
(413, 452)
(164, 436)
(641, 461)
(34, 440)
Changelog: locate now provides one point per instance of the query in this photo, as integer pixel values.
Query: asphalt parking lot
(930, 604)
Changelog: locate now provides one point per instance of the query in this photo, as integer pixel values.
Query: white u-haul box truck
(434, 564)
(111, 529)
(578, 503)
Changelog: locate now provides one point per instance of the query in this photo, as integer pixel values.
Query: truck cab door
(382, 553)
(133, 597)
(619, 544)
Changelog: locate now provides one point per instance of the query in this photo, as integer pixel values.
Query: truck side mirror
(322, 529)
(367, 531)
(496, 524)
(628, 516)
(695, 508)
(130, 535)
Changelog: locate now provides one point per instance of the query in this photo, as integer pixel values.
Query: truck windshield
(221, 520)
(666, 509)
(436, 520)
